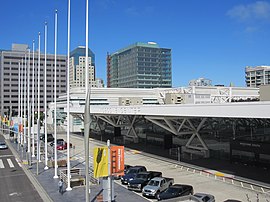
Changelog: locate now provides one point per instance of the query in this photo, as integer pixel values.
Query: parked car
(142, 179)
(232, 200)
(156, 186)
(205, 197)
(176, 190)
(3, 145)
(131, 173)
(118, 177)
(198, 197)
(62, 145)
(58, 141)
(50, 137)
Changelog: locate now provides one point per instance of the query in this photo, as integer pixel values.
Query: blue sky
(214, 39)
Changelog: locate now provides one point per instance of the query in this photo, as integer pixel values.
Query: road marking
(8, 176)
(18, 162)
(6, 156)
(1, 164)
(10, 163)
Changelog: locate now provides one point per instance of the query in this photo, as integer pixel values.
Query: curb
(41, 191)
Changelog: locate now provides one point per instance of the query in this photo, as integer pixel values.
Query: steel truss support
(175, 126)
(196, 134)
(122, 120)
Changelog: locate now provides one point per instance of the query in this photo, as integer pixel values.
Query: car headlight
(122, 178)
(131, 179)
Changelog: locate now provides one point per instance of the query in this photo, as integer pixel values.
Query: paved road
(14, 184)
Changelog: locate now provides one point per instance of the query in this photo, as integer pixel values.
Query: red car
(62, 145)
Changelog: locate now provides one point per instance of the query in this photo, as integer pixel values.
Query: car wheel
(157, 195)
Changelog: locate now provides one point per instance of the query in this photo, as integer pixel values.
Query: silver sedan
(3, 145)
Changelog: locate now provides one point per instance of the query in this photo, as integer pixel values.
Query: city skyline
(215, 40)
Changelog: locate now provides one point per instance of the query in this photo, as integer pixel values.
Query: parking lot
(222, 189)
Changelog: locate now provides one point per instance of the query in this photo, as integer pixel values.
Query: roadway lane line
(6, 156)
(10, 163)
(18, 162)
(1, 164)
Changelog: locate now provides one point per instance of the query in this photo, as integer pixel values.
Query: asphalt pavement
(14, 184)
(49, 186)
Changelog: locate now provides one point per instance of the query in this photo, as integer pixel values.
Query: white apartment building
(200, 82)
(256, 76)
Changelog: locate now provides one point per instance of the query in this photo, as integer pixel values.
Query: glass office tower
(141, 65)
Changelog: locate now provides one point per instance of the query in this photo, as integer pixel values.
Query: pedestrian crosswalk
(6, 163)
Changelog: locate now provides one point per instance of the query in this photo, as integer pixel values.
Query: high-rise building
(256, 76)
(141, 65)
(200, 82)
(9, 76)
(77, 67)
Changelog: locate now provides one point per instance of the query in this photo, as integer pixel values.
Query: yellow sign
(101, 162)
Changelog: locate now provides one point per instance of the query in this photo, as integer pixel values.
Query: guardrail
(77, 176)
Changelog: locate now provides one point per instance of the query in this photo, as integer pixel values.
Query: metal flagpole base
(33, 155)
(68, 189)
(46, 168)
(55, 177)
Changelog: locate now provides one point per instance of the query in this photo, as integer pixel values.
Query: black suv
(131, 173)
(142, 179)
(176, 190)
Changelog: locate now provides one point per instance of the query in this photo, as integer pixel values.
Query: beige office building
(11, 60)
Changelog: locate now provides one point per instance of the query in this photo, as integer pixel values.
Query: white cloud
(259, 10)
(251, 29)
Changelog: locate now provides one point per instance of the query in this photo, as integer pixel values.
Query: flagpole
(19, 110)
(86, 52)
(21, 120)
(45, 100)
(55, 135)
(28, 111)
(24, 102)
(87, 109)
(38, 119)
(68, 100)
(33, 102)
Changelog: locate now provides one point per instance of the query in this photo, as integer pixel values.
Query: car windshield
(172, 190)
(198, 196)
(153, 183)
(61, 143)
(2, 143)
(141, 176)
(132, 171)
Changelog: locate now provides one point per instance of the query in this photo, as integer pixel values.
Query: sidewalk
(47, 186)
